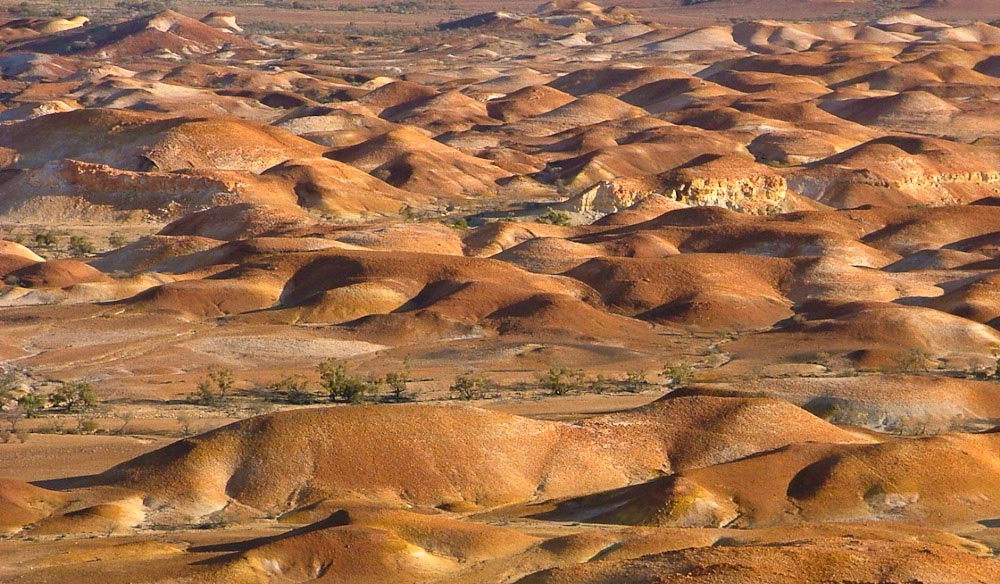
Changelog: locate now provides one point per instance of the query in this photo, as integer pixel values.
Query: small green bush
(341, 385)
(116, 240)
(32, 403)
(554, 217)
(636, 381)
(469, 387)
(397, 382)
(293, 389)
(677, 374)
(561, 380)
(47, 239)
(213, 391)
(81, 246)
(598, 384)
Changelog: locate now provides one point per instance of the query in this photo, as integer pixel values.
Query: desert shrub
(341, 385)
(397, 383)
(85, 425)
(117, 240)
(12, 415)
(223, 379)
(81, 246)
(8, 382)
(294, 389)
(845, 412)
(46, 239)
(598, 384)
(185, 421)
(555, 217)
(561, 380)
(292, 4)
(913, 361)
(213, 390)
(468, 387)
(409, 213)
(78, 396)
(126, 417)
(375, 386)
(205, 395)
(32, 404)
(636, 381)
(677, 374)
(260, 409)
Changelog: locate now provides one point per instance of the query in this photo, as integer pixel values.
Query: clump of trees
(400, 6)
(76, 397)
(19, 402)
(341, 386)
(58, 242)
(338, 383)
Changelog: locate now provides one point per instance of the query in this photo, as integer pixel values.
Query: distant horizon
(332, 15)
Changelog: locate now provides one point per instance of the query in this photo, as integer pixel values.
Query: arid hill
(693, 292)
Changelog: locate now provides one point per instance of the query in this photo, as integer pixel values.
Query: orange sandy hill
(527, 102)
(159, 167)
(784, 562)
(144, 141)
(409, 160)
(20, 28)
(250, 465)
(898, 171)
(905, 404)
(162, 32)
(384, 294)
(551, 18)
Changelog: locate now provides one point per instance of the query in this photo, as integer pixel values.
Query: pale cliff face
(63, 24)
(225, 22)
(754, 194)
